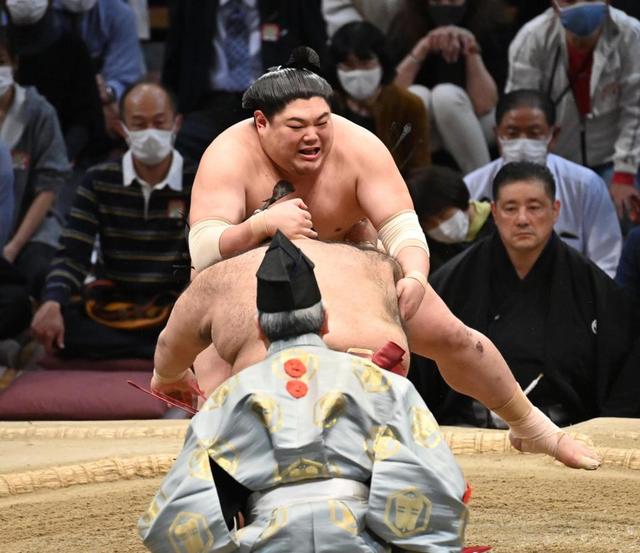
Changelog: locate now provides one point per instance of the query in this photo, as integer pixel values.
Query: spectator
(108, 27)
(526, 131)
(337, 13)
(58, 64)
(449, 218)
(362, 76)
(31, 130)
(215, 49)
(628, 274)
(444, 47)
(583, 57)
(138, 208)
(15, 307)
(548, 309)
(7, 194)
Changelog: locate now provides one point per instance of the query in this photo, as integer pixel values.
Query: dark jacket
(587, 311)
(189, 50)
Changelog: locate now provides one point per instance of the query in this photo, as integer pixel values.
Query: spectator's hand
(184, 389)
(110, 108)
(292, 218)
(47, 326)
(10, 252)
(410, 293)
(626, 199)
(451, 42)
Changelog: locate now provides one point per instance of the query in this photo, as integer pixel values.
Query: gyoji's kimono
(333, 453)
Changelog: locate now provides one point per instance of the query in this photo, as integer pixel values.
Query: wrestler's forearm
(242, 237)
(413, 258)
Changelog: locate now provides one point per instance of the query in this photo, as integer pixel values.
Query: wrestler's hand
(410, 293)
(292, 217)
(184, 389)
(562, 447)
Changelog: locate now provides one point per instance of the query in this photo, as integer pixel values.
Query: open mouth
(309, 153)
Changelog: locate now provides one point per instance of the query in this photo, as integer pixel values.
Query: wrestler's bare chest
(330, 198)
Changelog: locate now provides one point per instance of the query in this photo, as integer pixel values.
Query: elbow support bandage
(204, 242)
(401, 231)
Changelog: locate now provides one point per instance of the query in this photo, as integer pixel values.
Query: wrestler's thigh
(211, 370)
(434, 331)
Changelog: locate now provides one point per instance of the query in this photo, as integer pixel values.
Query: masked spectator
(138, 208)
(526, 131)
(443, 47)
(449, 217)
(583, 56)
(31, 131)
(362, 78)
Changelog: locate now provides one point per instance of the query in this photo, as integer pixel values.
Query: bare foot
(562, 447)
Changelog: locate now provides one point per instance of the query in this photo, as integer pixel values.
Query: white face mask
(360, 84)
(6, 78)
(150, 146)
(78, 6)
(525, 149)
(26, 12)
(453, 230)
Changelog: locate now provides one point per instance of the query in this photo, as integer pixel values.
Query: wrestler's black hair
(436, 188)
(519, 171)
(172, 99)
(299, 78)
(365, 41)
(526, 98)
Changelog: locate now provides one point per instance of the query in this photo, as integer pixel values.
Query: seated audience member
(443, 47)
(549, 310)
(362, 76)
(108, 28)
(526, 131)
(7, 193)
(31, 130)
(584, 57)
(337, 13)
(215, 50)
(15, 307)
(448, 216)
(58, 64)
(137, 207)
(628, 274)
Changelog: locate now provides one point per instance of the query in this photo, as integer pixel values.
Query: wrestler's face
(298, 138)
(524, 215)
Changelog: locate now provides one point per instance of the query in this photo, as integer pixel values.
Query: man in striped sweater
(137, 208)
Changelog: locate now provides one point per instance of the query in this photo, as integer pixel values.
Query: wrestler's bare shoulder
(238, 140)
(354, 140)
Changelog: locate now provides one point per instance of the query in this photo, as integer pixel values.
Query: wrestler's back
(330, 195)
(358, 291)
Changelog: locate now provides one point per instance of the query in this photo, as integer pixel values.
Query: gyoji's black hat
(285, 278)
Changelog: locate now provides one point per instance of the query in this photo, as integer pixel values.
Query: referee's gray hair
(289, 324)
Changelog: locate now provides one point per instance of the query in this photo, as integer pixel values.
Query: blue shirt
(109, 29)
(587, 219)
(6, 194)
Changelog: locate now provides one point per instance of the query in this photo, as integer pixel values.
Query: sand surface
(80, 487)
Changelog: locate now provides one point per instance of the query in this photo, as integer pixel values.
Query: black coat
(579, 293)
(189, 49)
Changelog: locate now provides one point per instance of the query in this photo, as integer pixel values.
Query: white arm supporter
(204, 242)
(401, 231)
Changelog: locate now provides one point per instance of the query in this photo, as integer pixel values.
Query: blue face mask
(583, 19)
